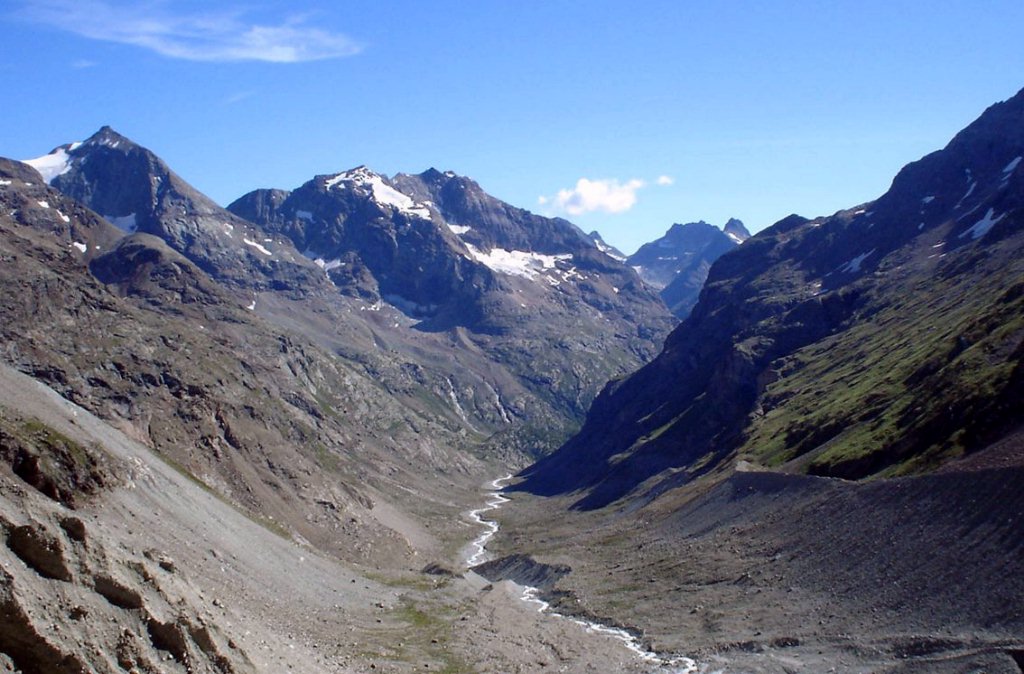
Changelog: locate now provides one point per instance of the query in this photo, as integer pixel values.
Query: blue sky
(623, 117)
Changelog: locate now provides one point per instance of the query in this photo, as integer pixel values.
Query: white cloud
(665, 181)
(608, 195)
(221, 36)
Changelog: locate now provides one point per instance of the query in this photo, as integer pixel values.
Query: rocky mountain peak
(108, 137)
(135, 190)
(61, 159)
(736, 230)
(678, 230)
(433, 176)
(605, 247)
(377, 188)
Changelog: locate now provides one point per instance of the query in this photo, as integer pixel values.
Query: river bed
(477, 554)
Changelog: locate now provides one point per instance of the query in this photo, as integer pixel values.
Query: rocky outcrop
(113, 612)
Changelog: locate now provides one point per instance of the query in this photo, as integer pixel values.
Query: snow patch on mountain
(516, 262)
(609, 251)
(853, 266)
(410, 307)
(257, 246)
(982, 227)
(125, 223)
(970, 191)
(459, 229)
(54, 164)
(327, 265)
(382, 193)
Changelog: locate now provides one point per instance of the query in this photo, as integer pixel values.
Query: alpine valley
(259, 438)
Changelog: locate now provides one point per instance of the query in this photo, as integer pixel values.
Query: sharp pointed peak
(108, 137)
(736, 230)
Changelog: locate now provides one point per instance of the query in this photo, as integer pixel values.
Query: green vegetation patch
(920, 377)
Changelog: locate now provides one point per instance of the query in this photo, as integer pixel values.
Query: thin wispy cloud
(237, 97)
(82, 64)
(607, 195)
(665, 181)
(209, 36)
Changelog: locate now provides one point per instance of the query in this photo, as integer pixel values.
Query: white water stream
(662, 664)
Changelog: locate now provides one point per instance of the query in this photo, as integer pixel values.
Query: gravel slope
(768, 572)
(169, 578)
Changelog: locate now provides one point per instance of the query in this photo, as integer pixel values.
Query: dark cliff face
(677, 264)
(884, 339)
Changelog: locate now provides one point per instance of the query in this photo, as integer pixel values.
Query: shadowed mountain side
(882, 340)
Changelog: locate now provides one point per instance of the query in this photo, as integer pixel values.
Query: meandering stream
(478, 551)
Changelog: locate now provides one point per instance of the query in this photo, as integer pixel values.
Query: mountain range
(402, 276)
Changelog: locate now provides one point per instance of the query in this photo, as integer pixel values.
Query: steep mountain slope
(149, 342)
(677, 264)
(512, 292)
(882, 340)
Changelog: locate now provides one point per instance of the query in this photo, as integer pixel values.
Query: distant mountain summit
(439, 248)
(677, 264)
(736, 230)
